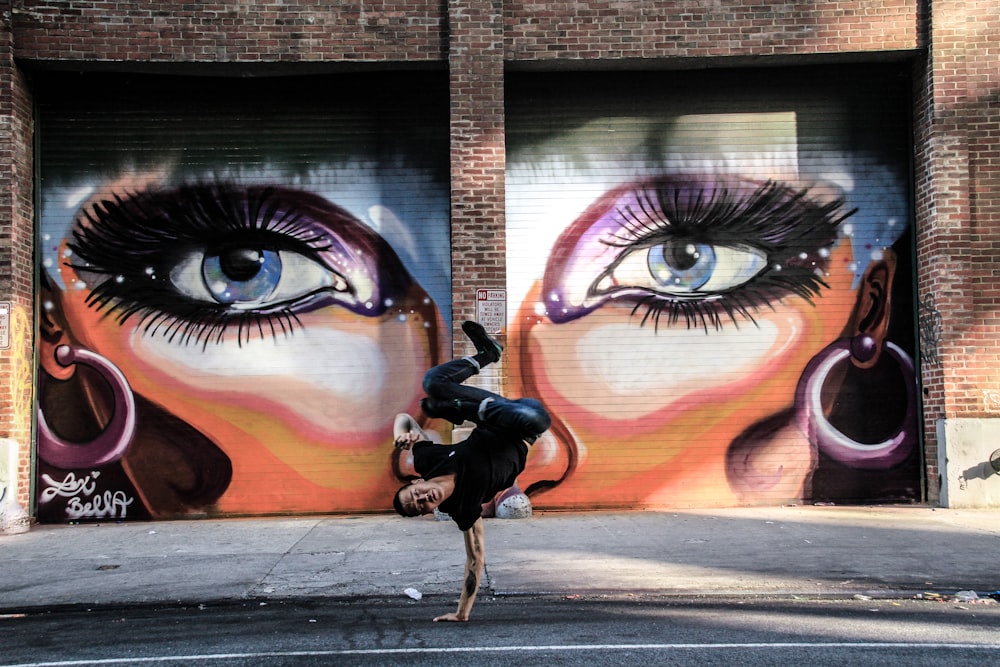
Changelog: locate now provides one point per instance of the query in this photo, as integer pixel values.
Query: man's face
(421, 497)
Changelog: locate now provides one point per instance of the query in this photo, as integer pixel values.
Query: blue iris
(242, 275)
(682, 264)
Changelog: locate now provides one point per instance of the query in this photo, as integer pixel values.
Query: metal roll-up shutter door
(267, 263)
(709, 278)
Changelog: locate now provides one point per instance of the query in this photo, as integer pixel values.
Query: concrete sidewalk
(783, 551)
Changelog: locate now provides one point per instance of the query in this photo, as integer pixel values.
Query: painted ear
(51, 333)
(870, 321)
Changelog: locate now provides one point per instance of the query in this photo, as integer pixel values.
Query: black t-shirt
(484, 464)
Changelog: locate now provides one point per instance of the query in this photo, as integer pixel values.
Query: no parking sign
(4, 325)
(491, 309)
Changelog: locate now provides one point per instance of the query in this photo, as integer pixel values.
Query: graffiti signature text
(83, 503)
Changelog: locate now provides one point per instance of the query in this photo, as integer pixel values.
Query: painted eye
(696, 250)
(199, 261)
(679, 267)
(247, 277)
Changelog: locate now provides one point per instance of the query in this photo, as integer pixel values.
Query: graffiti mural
(711, 290)
(239, 295)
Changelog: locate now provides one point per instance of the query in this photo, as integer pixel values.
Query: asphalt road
(548, 630)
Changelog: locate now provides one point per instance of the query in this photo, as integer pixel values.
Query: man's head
(419, 497)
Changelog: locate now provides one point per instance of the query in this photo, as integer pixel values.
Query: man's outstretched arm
(475, 558)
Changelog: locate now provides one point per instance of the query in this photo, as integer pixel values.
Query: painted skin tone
(637, 363)
(300, 382)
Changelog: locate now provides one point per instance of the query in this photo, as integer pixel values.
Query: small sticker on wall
(491, 309)
(991, 400)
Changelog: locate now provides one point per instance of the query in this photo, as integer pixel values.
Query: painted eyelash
(143, 224)
(145, 231)
(210, 327)
(770, 218)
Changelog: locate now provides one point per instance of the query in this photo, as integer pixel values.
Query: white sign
(4, 325)
(491, 309)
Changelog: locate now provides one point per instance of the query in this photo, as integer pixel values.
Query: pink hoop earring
(831, 441)
(113, 442)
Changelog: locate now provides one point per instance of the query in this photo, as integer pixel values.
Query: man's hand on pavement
(451, 617)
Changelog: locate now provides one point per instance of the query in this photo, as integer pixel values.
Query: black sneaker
(484, 344)
(450, 410)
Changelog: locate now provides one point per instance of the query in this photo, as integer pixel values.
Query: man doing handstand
(459, 478)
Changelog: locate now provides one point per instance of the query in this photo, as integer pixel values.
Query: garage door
(243, 282)
(709, 277)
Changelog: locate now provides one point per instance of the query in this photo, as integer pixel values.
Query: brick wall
(414, 30)
(975, 389)
(477, 153)
(233, 32)
(546, 30)
(957, 161)
(958, 217)
(16, 258)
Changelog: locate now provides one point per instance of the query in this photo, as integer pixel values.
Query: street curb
(931, 594)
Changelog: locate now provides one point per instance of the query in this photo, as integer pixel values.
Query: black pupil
(240, 264)
(681, 255)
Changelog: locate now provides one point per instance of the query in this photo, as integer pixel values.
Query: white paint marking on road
(503, 649)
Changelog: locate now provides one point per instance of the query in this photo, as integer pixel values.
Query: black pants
(524, 418)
